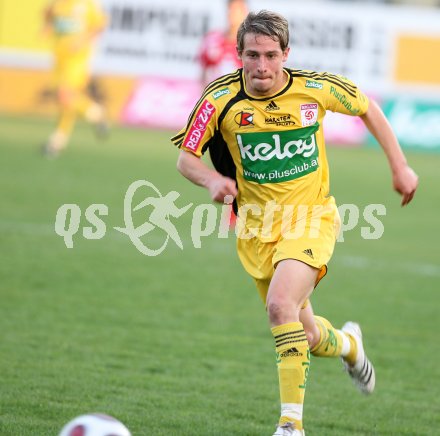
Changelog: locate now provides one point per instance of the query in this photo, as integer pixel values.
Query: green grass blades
(179, 344)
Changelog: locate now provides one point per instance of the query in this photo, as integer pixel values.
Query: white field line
(362, 262)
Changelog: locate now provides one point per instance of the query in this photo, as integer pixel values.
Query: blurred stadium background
(147, 68)
(153, 340)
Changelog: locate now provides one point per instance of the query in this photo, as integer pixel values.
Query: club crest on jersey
(309, 114)
(198, 127)
(244, 119)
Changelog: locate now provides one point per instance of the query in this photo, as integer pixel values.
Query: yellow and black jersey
(273, 146)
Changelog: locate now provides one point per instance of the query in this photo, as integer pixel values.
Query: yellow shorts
(260, 258)
(72, 72)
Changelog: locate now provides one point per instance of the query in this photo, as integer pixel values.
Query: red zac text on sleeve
(198, 127)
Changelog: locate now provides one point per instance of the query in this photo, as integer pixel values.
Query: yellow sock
(66, 121)
(293, 360)
(334, 342)
(330, 341)
(59, 138)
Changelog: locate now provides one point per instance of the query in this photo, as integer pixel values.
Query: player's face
(263, 61)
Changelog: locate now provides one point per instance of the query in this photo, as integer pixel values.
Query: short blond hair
(266, 23)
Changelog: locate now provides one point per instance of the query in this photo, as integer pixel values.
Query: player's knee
(275, 312)
(280, 312)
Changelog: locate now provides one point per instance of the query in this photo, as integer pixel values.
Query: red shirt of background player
(218, 52)
(218, 56)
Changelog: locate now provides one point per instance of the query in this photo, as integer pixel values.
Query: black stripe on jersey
(342, 81)
(222, 81)
(349, 91)
(240, 96)
(327, 74)
(330, 78)
(322, 76)
(178, 139)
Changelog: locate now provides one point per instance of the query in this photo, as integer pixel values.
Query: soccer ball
(95, 424)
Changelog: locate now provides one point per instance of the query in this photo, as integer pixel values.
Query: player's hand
(220, 186)
(405, 182)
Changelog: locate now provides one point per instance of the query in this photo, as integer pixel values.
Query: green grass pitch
(179, 344)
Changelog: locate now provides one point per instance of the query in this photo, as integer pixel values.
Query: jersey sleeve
(199, 129)
(343, 96)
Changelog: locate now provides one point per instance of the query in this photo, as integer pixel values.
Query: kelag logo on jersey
(273, 157)
(313, 84)
(220, 93)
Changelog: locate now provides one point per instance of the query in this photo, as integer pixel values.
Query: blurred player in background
(74, 26)
(218, 52)
(263, 125)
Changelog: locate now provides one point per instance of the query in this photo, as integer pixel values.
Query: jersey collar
(267, 97)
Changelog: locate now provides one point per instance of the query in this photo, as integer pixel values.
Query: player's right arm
(344, 96)
(195, 170)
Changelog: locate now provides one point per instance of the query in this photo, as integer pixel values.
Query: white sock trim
(58, 140)
(292, 411)
(345, 343)
(94, 113)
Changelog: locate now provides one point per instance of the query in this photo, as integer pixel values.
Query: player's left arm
(405, 180)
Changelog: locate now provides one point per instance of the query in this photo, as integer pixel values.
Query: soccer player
(218, 52)
(74, 25)
(263, 126)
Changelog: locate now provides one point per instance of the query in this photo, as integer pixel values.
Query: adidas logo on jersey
(272, 106)
(309, 252)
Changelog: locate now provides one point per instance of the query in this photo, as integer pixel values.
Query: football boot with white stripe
(362, 372)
